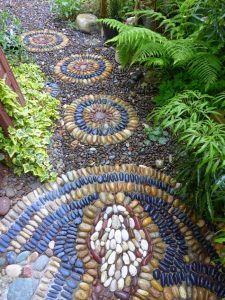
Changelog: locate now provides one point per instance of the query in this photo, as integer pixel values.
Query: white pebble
(112, 270)
(126, 259)
(111, 234)
(104, 267)
(144, 245)
(92, 245)
(112, 244)
(117, 275)
(95, 236)
(121, 208)
(103, 276)
(109, 210)
(112, 258)
(115, 210)
(113, 286)
(118, 236)
(125, 235)
(109, 223)
(107, 282)
(131, 246)
(131, 255)
(119, 249)
(120, 284)
(107, 245)
(131, 223)
(124, 271)
(137, 235)
(121, 218)
(132, 270)
(98, 227)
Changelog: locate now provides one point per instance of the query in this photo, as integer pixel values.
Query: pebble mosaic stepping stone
(44, 40)
(86, 68)
(109, 233)
(52, 88)
(100, 119)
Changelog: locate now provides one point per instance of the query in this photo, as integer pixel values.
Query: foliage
(156, 134)
(26, 145)
(10, 30)
(144, 46)
(67, 8)
(220, 239)
(201, 153)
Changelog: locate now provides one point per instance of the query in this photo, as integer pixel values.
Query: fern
(206, 67)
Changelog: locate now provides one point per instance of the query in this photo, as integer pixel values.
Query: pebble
(118, 236)
(112, 258)
(4, 205)
(27, 271)
(22, 256)
(22, 288)
(132, 270)
(41, 263)
(13, 270)
(51, 245)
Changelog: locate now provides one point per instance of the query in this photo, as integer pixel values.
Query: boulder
(87, 23)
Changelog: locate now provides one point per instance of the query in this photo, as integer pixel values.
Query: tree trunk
(104, 9)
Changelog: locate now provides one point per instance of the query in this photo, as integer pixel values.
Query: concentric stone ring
(108, 232)
(44, 40)
(100, 119)
(86, 69)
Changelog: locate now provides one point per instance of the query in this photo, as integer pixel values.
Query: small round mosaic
(100, 119)
(44, 40)
(86, 69)
(108, 232)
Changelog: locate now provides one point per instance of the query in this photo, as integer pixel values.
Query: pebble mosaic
(108, 232)
(85, 69)
(100, 119)
(44, 40)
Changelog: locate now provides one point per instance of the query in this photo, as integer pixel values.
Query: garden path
(146, 242)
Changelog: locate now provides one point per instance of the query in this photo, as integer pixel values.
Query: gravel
(65, 153)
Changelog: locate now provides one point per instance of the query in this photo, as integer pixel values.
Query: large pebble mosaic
(44, 40)
(84, 69)
(108, 233)
(100, 119)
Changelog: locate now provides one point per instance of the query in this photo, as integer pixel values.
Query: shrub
(10, 31)
(26, 146)
(67, 8)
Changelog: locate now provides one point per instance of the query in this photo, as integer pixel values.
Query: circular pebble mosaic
(86, 69)
(100, 119)
(108, 233)
(44, 40)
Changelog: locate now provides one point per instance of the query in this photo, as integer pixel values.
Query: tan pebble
(147, 276)
(120, 197)
(182, 291)
(21, 239)
(81, 247)
(91, 264)
(128, 281)
(25, 235)
(48, 274)
(147, 269)
(40, 294)
(175, 291)
(157, 285)
(154, 262)
(142, 292)
(81, 241)
(144, 284)
(87, 220)
(15, 244)
(83, 253)
(88, 213)
(81, 295)
(32, 257)
(212, 297)
(86, 259)
(84, 286)
(92, 272)
(85, 227)
(82, 234)
(155, 293)
(88, 278)
(43, 287)
(168, 294)
(99, 204)
(52, 269)
(147, 221)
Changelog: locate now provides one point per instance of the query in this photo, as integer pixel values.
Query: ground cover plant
(67, 8)
(185, 45)
(26, 147)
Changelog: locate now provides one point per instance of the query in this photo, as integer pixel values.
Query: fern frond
(114, 24)
(154, 62)
(180, 51)
(206, 67)
(148, 50)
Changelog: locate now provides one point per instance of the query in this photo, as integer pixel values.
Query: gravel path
(65, 153)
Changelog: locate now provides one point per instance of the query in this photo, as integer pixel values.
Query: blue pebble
(22, 256)
(71, 283)
(11, 257)
(64, 272)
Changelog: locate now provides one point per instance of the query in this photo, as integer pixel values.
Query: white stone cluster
(120, 260)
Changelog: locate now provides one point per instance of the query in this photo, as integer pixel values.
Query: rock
(125, 235)
(144, 245)
(41, 263)
(11, 257)
(22, 256)
(2, 261)
(51, 245)
(111, 271)
(10, 192)
(132, 270)
(13, 270)
(118, 236)
(87, 23)
(126, 259)
(27, 271)
(4, 205)
(112, 258)
(113, 286)
(159, 163)
(98, 227)
(22, 289)
(32, 257)
(124, 271)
